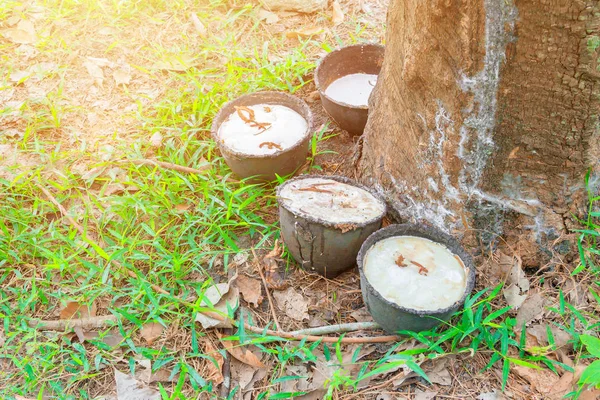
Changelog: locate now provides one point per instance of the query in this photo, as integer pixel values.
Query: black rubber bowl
(264, 167)
(320, 246)
(394, 318)
(359, 58)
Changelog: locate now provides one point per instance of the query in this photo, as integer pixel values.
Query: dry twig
(175, 167)
(264, 281)
(83, 323)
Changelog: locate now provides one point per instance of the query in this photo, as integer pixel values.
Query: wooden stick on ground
(264, 281)
(175, 167)
(340, 328)
(83, 323)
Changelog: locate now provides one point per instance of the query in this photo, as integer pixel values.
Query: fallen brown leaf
(122, 76)
(74, 310)
(292, 303)
(200, 28)
(156, 139)
(541, 380)
(215, 373)
(151, 331)
(590, 394)
(250, 289)
(95, 71)
(268, 16)
(241, 353)
(531, 309)
(128, 388)
(222, 297)
(274, 279)
(338, 15)
(305, 32)
(24, 33)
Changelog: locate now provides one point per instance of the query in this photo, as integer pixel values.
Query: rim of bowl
(306, 114)
(337, 178)
(427, 232)
(318, 85)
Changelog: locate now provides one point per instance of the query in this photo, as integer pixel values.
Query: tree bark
(485, 115)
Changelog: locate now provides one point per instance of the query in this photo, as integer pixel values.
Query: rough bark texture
(485, 114)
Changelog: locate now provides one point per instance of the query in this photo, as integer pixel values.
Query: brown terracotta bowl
(264, 167)
(359, 58)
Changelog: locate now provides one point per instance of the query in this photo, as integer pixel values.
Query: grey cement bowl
(359, 58)
(265, 167)
(320, 246)
(394, 318)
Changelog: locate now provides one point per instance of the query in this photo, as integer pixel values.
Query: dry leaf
(243, 374)
(16, 35)
(128, 388)
(540, 334)
(178, 62)
(74, 310)
(563, 386)
(304, 33)
(215, 373)
(182, 207)
(24, 33)
(362, 315)
(441, 377)
(250, 289)
(292, 303)
(239, 259)
(590, 394)
(95, 71)
(101, 62)
(268, 16)
(19, 76)
(122, 76)
(156, 139)
(532, 309)
(274, 279)
(490, 396)
(200, 28)
(541, 380)
(338, 15)
(241, 353)
(419, 395)
(17, 397)
(151, 331)
(214, 295)
(512, 296)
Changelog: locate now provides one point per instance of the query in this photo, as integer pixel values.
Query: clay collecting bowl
(359, 58)
(391, 316)
(265, 167)
(321, 246)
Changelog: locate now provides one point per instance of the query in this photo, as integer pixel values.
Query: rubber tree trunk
(485, 116)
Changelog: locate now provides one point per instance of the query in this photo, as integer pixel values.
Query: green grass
(172, 229)
(178, 230)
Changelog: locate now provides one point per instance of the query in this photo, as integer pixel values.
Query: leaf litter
(129, 388)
